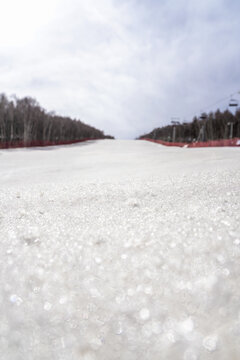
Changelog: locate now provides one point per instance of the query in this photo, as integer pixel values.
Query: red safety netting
(216, 143)
(21, 144)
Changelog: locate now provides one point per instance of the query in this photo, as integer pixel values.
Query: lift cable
(230, 96)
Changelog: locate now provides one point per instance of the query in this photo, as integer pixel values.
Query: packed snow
(121, 250)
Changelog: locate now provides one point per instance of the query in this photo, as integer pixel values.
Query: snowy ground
(120, 250)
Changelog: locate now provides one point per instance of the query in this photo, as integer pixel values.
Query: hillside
(212, 126)
(23, 122)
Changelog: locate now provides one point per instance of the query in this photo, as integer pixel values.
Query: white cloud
(21, 20)
(123, 67)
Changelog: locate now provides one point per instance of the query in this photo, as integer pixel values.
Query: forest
(23, 122)
(212, 126)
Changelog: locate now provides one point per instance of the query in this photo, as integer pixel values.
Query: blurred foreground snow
(120, 250)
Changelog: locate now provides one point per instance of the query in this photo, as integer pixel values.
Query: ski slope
(119, 250)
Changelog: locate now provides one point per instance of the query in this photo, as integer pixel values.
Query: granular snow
(120, 250)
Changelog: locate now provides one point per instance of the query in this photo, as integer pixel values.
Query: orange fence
(223, 142)
(21, 144)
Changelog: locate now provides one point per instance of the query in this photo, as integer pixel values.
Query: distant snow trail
(120, 250)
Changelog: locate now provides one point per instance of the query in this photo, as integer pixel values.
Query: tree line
(23, 121)
(212, 126)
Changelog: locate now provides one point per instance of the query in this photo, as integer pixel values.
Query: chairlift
(233, 102)
(203, 116)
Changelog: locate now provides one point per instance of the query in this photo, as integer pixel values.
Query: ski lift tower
(201, 135)
(233, 103)
(230, 123)
(174, 121)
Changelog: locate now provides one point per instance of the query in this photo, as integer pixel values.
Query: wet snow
(132, 253)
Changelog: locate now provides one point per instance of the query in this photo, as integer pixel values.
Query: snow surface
(120, 250)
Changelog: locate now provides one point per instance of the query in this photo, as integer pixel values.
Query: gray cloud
(124, 67)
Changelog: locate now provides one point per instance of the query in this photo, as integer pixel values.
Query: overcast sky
(123, 66)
